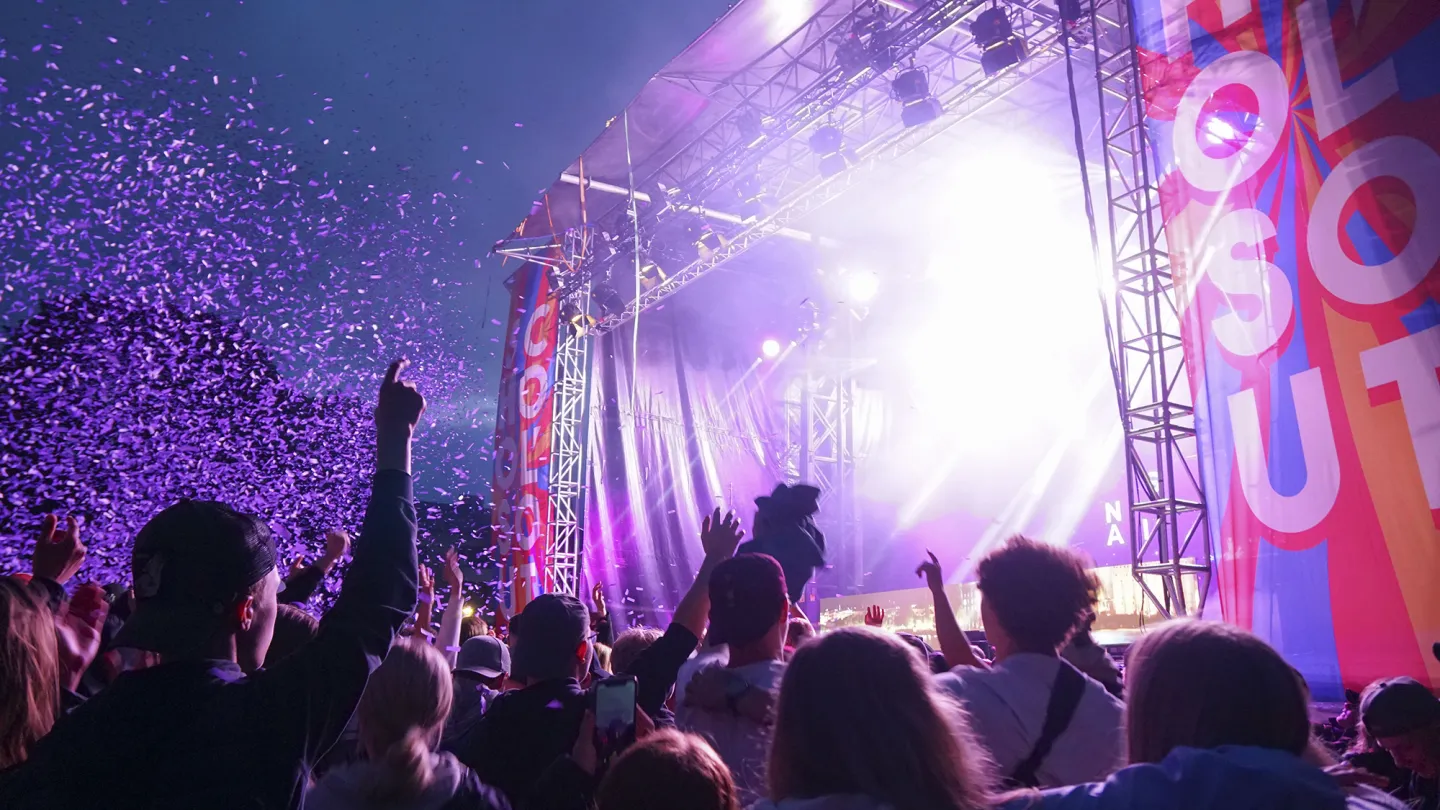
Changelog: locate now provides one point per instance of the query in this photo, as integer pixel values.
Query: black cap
(191, 563)
(1396, 706)
(545, 636)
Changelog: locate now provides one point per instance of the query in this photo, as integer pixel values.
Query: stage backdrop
(1301, 190)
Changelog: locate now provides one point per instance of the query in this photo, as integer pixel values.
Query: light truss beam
(1170, 547)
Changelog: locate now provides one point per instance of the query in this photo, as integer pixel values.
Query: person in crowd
(471, 627)
(197, 731)
(294, 628)
(629, 645)
(1403, 716)
(480, 673)
(1215, 718)
(600, 617)
(668, 770)
(29, 671)
(785, 530)
(304, 579)
(1093, 660)
(861, 725)
(1043, 722)
(524, 732)
(750, 615)
(797, 632)
(401, 716)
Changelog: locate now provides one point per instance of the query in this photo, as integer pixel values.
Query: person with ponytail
(401, 717)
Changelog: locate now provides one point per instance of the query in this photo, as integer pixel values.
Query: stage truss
(799, 86)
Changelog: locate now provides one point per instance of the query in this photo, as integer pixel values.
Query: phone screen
(615, 710)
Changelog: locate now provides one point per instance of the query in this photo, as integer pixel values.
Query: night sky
(480, 101)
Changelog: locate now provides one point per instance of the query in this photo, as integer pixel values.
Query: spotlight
(607, 300)
(651, 274)
(999, 47)
(861, 287)
(709, 241)
(751, 125)
(467, 611)
(912, 89)
(851, 56)
(753, 198)
(570, 313)
(770, 348)
(828, 142)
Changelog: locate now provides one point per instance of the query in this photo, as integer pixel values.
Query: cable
(635, 225)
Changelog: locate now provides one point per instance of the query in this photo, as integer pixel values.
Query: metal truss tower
(821, 450)
(1169, 534)
(569, 456)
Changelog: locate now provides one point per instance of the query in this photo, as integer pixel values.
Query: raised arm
(953, 643)
(302, 584)
(448, 640)
(719, 538)
(323, 680)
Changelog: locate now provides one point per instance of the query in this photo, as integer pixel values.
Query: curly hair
(1039, 593)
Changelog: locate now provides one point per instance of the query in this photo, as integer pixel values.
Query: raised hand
(337, 545)
(58, 551)
(720, 536)
(874, 616)
(427, 580)
(597, 596)
(77, 632)
(296, 566)
(400, 404)
(930, 570)
(454, 577)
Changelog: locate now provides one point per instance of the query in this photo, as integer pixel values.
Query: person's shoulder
(473, 794)
(963, 677)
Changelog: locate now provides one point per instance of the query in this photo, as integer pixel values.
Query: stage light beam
(770, 348)
(861, 287)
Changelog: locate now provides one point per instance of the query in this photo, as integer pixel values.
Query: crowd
(204, 687)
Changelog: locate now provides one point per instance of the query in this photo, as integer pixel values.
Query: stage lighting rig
(828, 143)
(751, 125)
(868, 44)
(571, 314)
(1000, 47)
(911, 87)
(754, 199)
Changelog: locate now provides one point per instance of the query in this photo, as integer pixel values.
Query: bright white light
(770, 348)
(861, 286)
(1219, 131)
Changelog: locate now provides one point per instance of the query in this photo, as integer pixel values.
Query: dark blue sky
(485, 101)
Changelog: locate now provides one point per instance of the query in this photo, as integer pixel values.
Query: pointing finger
(392, 374)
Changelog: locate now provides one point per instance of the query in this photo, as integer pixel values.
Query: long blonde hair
(859, 713)
(29, 672)
(401, 715)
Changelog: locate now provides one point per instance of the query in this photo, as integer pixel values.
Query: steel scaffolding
(1169, 533)
(569, 453)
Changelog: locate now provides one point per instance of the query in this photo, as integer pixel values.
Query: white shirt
(741, 743)
(1007, 704)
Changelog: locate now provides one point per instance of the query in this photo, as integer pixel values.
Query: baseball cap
(190, 564)
(485, 656)
(1394, 706)
(545, 636)
(747, 598)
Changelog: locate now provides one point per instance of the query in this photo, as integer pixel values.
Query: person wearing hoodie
(401, 717)
(1215, 719)
(861, 725)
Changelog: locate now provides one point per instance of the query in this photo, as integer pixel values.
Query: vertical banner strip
(1297, 144)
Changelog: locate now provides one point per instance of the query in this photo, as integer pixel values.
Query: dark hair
(294, 628)
(628, 646)
(1204, 684)
(668, 769)
(904, 743)
(1037, 591)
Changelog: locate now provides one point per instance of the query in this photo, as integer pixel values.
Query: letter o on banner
(537, 347)
(1263, 77)
(537, 375)
(1413, 163)
(507, 463)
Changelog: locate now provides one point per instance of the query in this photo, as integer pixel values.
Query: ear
(582, 652)
(244, 613)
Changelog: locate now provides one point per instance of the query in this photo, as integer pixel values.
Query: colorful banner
(1297, 143)
(521, 484)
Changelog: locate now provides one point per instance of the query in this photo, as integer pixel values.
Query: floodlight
(770, 348)
(828, 143)
(999, 46)
(911, 88)
(861, 287)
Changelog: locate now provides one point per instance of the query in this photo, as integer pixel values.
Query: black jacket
(521, 735)
(201, 734)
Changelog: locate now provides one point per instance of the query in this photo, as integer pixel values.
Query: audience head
(905, 745)
(484, 657)
(799, 632)
(551, 640)
(629, 645)
(473, 626)
(1202, 684)
(205, 585)
(294, 628)
(1034, 595)
(749, 609)
(29, 672)
(1403, 716)
(666, 770)
(401, 716)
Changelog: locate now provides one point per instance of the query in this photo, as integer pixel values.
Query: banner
(1297, 145)
(521, 484)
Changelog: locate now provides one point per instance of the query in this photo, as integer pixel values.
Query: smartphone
(615, 713)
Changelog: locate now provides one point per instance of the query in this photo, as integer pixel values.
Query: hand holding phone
(614, 714)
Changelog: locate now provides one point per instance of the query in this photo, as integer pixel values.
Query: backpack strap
(1065, 696)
